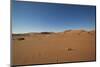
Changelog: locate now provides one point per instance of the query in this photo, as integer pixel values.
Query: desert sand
(53, 47)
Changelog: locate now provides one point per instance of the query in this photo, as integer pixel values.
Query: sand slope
(67, 46)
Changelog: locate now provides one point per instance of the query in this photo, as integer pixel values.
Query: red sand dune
(67, 46)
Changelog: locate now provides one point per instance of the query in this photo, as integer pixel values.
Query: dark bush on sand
(46, 32)
(21, 39)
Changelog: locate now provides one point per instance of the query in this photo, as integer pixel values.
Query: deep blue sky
(39, 17)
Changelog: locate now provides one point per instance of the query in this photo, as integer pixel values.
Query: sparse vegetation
(20, 38)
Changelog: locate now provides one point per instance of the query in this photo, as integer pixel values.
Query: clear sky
(46, 17)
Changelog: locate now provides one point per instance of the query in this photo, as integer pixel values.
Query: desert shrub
(69, 49)
(45, 32)
(21, 38)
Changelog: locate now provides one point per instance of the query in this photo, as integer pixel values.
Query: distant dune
(53, 47)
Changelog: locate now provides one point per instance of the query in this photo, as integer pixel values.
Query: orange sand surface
(43, 48)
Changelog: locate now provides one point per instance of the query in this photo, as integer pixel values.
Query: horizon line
(52, 31)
